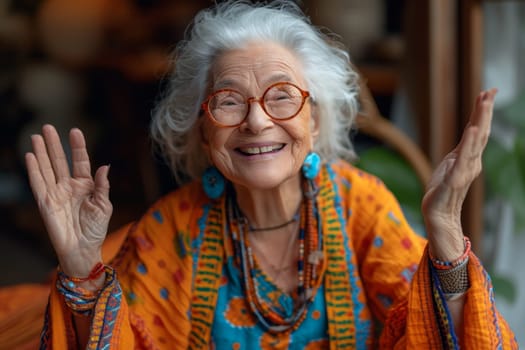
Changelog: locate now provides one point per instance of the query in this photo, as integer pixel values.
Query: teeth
(259, 150)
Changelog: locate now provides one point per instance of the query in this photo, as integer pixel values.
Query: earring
(311, 165)
(213, 182)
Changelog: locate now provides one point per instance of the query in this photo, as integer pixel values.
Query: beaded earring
(213, 182)
(311, 165)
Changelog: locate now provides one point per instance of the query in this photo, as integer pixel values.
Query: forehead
(256, 64)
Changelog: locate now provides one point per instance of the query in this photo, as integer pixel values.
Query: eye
(282, 96)
(227, 99)
(278, 95)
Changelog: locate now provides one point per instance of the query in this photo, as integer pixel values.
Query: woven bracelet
(454, 281)
(79, 300)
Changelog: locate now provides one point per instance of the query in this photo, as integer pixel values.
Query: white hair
(229, 25)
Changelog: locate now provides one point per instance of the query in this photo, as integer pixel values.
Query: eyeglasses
(280, 101)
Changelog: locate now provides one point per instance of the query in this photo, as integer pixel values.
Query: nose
(256, 120)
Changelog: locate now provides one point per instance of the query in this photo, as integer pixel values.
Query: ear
(203, 135)
(314, 122)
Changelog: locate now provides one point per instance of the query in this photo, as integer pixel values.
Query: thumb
(102, 183)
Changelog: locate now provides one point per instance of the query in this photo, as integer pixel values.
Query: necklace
(272, 228)
(309, 271)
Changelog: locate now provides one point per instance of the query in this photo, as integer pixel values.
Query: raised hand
(450, 182)
(75, 207)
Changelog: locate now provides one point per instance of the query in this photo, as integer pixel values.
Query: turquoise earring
(213, 182)
(311, 165)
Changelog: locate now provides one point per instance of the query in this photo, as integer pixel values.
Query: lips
(260, 150)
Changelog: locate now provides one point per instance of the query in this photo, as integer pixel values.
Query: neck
(271, 208)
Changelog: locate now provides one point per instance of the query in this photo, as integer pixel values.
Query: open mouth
(250, 151)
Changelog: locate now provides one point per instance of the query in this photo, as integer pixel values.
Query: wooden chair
(370, 122)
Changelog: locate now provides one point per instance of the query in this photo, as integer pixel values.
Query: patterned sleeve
(145, 305)
(402, 288)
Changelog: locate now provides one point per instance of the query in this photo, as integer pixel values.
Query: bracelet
(95, 273)
(454, 281)
(80, 300)
(447, 265)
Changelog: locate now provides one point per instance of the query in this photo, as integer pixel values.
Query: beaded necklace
(309, 271)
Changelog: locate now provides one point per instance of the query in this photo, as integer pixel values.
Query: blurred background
(99, 65)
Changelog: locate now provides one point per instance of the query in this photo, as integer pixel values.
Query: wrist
(93, 285)
(447, 264)
(447, 250)
(79, 299)
(92, 282)
(445, 241)
(79, 265)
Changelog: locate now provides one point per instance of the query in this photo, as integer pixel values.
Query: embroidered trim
(446, 328)
(105, 313)
(207, 279)
(339, 303)
(363, 328)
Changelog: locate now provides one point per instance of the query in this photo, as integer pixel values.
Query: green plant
(504, 161)
(504, 168)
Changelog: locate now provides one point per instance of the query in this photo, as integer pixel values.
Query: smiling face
(260, 153)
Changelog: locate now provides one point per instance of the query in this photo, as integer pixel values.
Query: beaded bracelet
(95, 273)
(447, 265)
(80, 300)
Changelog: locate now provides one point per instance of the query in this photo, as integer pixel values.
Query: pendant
(315, 257)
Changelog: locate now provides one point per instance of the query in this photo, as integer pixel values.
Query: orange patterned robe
(177, 285)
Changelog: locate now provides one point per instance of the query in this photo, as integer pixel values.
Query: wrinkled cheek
(217, 156)
(299, 151)
(221, 160)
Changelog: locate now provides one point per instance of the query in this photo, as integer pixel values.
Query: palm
(447, 185)
(75, 209)
(450, 182)
(69, 207)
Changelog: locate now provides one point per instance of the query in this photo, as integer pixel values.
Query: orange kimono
(177, 284)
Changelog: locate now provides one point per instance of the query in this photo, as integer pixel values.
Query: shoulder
(361, 193)
(351, 177)
(171, 219)
(174, 213)
(180, 201)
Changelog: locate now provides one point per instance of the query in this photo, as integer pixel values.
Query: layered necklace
(310, 262)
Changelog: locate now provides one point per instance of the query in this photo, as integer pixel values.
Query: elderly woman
(277, 242)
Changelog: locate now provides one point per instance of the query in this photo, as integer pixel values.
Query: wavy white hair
(230, 25)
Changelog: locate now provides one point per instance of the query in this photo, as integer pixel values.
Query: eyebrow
(224, 84)
(277, 78)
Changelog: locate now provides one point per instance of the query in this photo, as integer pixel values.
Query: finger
(56, 152)
(42, 158)
(80, 157)
(481, 118)
(486, 120)
(102, 183)
(36, 181)
(482, 115)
